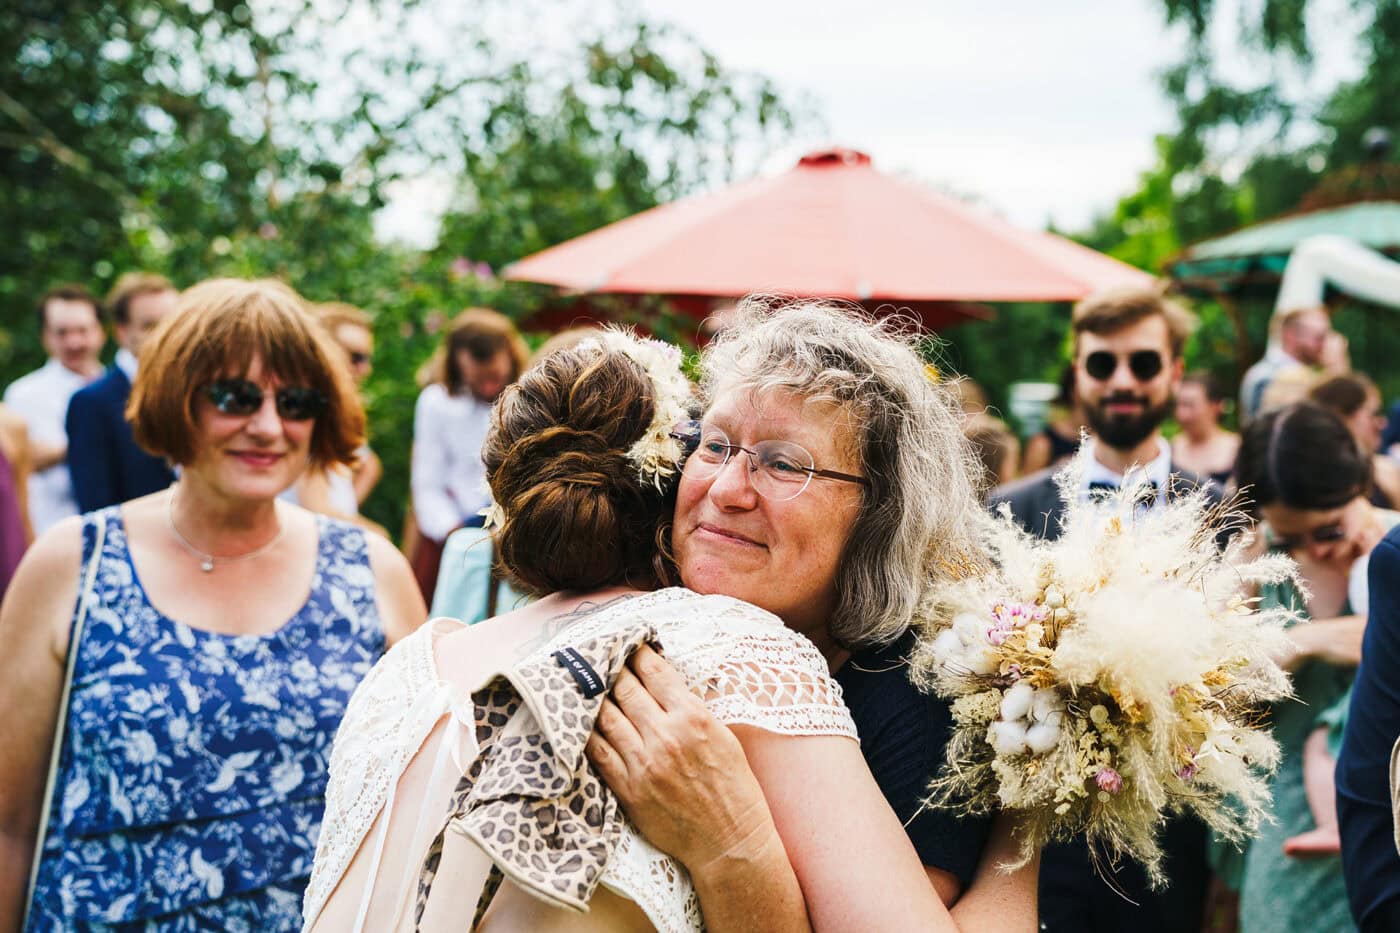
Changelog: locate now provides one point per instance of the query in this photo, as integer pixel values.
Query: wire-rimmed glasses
(778, 470)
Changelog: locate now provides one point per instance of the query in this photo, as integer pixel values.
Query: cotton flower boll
(1043, 737)
(947, 645)
(969, 628)
(1016, 702)
(1045, 701)
(1007, 738)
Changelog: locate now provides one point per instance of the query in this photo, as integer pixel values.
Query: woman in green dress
(1308, 482)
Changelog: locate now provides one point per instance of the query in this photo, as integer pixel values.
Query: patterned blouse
(193, 767)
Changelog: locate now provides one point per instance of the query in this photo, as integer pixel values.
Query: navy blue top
(1391, 435)
(903, 734)
(1369, 859)
(107, 465)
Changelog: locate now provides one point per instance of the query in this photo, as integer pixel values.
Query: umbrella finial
(833, 157)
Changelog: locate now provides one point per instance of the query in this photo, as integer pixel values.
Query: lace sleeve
(750, 668)
(388, 716)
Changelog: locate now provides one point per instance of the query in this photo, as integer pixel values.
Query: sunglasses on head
(1323, 534)
(1144, 364)
(241, 397)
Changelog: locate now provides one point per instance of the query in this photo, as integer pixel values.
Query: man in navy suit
(106, 464)
(1370, 861)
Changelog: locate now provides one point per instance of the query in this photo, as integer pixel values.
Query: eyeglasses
(1329, 533)
(241, 397)
(1145, 364)
(779, 470)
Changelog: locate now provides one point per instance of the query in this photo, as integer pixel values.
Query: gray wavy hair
(916, 524)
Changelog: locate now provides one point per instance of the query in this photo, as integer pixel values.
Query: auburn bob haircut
(216, 331)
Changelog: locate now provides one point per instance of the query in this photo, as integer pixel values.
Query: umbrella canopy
(830, 227)
(1255, 256)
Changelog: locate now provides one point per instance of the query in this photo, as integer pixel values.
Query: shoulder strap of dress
(74, 640)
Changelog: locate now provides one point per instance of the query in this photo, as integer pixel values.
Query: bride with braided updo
(459, 794)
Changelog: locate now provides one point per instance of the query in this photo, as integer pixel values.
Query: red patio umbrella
(832, 226)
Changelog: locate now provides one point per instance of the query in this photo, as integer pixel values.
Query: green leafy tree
(219, 137)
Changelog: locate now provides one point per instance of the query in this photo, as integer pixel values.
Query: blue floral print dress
(193, 767)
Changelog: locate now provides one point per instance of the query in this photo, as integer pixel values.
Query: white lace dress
(742, 661)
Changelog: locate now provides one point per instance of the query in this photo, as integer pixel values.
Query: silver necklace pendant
(207, 565)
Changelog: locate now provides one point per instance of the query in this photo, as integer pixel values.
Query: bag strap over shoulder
(60, 726)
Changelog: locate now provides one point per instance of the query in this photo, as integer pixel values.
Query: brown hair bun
(577, 514)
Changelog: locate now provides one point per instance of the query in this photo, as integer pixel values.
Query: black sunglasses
(241, 397)
(1145, 364)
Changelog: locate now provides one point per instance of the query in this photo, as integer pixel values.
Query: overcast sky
(1043, 112)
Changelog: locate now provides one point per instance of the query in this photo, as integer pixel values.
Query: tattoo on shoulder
(556, 624)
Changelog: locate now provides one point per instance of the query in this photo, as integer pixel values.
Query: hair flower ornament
(657, 455)
(1109, 678)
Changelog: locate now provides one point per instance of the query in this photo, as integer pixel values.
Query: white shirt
(1257, 378)
(1158, 470)
(126, 362)
(41, 398)
(448, 477)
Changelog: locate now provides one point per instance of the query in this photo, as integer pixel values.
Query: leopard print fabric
(530, 799)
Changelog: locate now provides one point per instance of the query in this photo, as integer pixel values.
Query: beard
(1123, 431)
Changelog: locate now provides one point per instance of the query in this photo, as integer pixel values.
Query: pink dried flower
(1109, 780)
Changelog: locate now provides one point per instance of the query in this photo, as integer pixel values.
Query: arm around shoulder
(400, 602)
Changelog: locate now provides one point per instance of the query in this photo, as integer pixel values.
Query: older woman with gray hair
(853, 495)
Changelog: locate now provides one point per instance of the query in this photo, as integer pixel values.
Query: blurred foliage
(1239, 154)
(222, 137)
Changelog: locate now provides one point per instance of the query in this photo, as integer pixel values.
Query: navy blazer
(106, 465)
(1369, 860)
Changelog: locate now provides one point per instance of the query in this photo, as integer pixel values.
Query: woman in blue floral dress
(224, 632)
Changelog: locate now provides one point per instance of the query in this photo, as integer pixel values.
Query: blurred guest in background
(217, 638)
(482, 353)
(336, 489)
(352, 328)
(1203, 446)
(1357, 401)
(70, 328)
(1390, 437)
(996, 447)
(1308, 481)
(1059, 439)
(970, 397)
(1301, 343)
(15, 531)
(106, 464)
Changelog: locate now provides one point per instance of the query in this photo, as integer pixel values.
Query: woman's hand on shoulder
(680, 775)
(396, 591)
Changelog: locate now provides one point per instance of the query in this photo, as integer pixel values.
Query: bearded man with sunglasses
(1127, 367)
